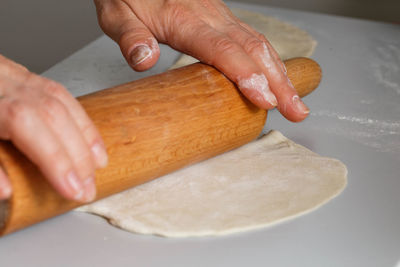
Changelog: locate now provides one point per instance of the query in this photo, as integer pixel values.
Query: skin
(50, 127)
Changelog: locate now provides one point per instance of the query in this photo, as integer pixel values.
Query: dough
(260, 184)
(288, 40)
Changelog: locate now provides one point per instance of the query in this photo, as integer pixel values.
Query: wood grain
(151, 127)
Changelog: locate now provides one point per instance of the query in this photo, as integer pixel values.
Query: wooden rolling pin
(151, 127)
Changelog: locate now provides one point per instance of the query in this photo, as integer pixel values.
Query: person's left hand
(208, 31)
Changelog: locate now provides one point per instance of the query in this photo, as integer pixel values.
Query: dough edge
(238, 230)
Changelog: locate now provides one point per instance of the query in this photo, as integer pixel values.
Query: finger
(136, 42)
(260, 36)
(289, 103)
(5, 186)
(219, 50)
(67, 132)
(87, 128)
(23, 126)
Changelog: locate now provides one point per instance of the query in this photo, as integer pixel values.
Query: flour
(386, 66)
(267, 59)
(257, 87)
(382, 135)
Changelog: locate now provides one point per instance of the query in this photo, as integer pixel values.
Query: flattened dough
(262, 183)
(288, 40)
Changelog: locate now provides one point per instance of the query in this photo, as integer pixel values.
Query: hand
(208, 31)
(51, 128)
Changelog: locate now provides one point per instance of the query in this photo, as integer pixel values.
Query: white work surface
(355, 117)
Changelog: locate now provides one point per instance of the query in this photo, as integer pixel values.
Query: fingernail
(300, 106)
(100, 155)
(75, 185)
(90, 189)
(140, 54)
(257, 85)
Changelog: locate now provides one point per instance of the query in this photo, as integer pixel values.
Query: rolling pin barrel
(151, 127)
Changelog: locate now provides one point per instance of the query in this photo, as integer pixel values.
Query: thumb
(138, 45)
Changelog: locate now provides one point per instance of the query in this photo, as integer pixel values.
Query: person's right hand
(51, 128)
(210, 32)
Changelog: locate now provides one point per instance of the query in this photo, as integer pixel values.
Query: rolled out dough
(288, 40)
(260, 184)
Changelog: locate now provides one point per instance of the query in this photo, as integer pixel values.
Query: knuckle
(52, 109)
(88, 130)
(55, 89)
(22, 69)
(84, 163)
(57, 160)
(132, 33)
(224, 45)
(253, 45)
(18, 111)
(221, 47)
(56, 157)
(17, 114)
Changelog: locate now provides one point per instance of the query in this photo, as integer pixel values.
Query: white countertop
(355, 117)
